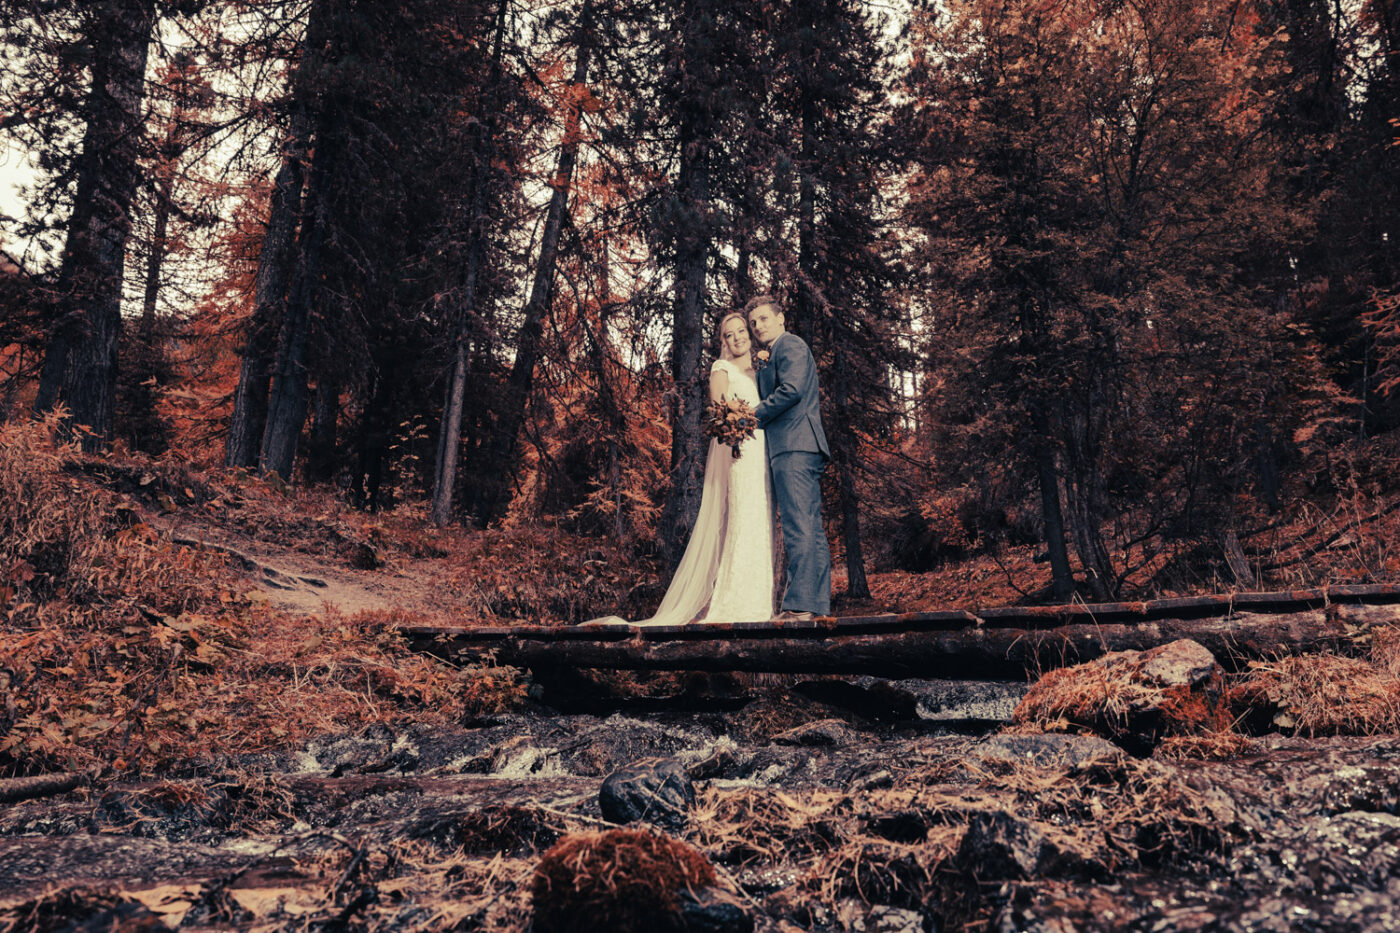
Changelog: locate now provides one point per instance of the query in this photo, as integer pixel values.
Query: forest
(1114, 281)
(333, 330)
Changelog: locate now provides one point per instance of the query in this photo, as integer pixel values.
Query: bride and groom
(727, 572)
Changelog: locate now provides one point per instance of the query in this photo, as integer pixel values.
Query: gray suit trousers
(797, 487)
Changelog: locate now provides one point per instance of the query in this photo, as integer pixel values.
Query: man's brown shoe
(790, 615)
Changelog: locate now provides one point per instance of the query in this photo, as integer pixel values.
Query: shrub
(620, 881)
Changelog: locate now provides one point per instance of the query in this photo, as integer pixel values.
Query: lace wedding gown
(726, 574)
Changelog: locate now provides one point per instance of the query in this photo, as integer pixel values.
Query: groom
(791, 419)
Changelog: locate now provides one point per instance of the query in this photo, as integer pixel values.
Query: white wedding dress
(726, 574)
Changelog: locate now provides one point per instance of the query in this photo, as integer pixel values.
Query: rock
(868, 779)
(1051, 750)
(972, 705)
(998, 845)
(1179, 663)
(969, 703)
(1134, 698)
(825, 733)
(365, 556)
(712, 910)
(653, 790)
(882, 919)
(858, 917)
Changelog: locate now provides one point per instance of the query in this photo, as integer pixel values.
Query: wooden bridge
(997, 643)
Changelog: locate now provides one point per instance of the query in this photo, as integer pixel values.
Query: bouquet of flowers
(731, 421)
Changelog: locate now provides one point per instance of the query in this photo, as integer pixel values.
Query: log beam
(992, 644)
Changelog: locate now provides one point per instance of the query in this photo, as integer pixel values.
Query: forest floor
(211, 656)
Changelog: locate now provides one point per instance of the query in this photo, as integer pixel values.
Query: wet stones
(1001, 846)
(653, 790)
(1133, 698)
(713, 910)
(1047, 751)
(858, 917)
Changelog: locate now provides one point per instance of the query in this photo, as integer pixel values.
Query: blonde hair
(719, 330)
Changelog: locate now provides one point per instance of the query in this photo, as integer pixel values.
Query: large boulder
(1133, 698)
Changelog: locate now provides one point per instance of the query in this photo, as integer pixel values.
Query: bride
(726, 574)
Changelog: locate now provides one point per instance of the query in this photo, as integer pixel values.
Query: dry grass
(904, 845)
(1113, 697)
(622, 880)
(1209, 746)
(1316, 695)
(124, 654)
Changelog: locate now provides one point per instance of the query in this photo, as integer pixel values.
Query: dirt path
(297, 581)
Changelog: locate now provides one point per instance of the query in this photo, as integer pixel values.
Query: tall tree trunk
(844, 445)
(154, 263)
(287, 397)
(250, 399)
(493, 498)
(80, 364)
(692, 255)
(320, 453)
(287, 393)
(847, 454)
(1061, 578)
(1083, 490)
(449, 435)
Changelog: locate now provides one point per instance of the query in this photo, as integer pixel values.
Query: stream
(849, 804)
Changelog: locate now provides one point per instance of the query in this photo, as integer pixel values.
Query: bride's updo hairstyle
(719, 331)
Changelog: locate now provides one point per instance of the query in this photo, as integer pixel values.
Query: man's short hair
(757, 300)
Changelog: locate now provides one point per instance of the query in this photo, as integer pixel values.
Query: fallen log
(929, 645)
(13, 790)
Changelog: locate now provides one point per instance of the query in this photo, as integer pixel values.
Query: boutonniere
(761, 358)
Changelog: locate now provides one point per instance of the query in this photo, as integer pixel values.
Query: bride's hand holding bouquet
(731, 421)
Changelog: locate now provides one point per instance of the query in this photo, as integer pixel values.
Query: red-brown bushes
(621, 881)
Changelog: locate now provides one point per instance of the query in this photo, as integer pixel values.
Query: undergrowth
(122, 653)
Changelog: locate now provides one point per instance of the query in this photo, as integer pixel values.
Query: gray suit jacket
(790, 413)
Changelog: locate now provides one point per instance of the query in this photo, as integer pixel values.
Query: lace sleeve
(720, 366)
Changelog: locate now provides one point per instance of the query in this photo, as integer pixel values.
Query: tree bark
(321, 447)
(847, 450)
(154, 263)
(1061, 578)
(692, 252)
(287, 394)
(493, 499)
(287, 397)
(1083, 490)
(449, 436)
(80, 365)
(250, 399)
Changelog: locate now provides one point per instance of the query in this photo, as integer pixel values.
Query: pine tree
(111, 40)
(830, 102)
(1090, 176)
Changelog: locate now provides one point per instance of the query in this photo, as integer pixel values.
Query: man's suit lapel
(767, 376)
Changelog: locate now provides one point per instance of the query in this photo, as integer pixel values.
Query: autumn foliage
(1102, 294)
(124, 652)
